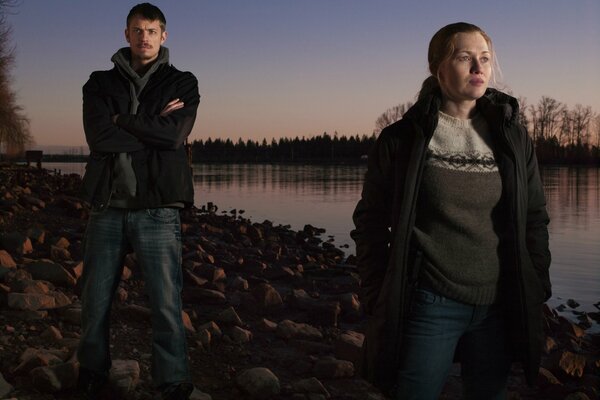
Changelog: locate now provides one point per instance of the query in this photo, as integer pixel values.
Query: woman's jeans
(155, 237)
(436, 327)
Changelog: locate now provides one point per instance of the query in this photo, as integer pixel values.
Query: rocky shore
(271, 313)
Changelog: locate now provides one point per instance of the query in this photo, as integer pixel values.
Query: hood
(493, 103)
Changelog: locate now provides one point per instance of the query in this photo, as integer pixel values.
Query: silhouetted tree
(390, 116)
(14, 125)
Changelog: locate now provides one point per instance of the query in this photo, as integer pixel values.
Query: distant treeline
(354, 149)
(322, 148)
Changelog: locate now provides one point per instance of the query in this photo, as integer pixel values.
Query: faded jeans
(155, 237)
(435, 328)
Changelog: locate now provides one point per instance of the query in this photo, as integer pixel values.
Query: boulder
(48, 270)
(30, 301)
(34, 358)
(239, 283)
(259, 383)
(288, 329)
(239, 335)
(51, 334)
(212, 328)
(6, 260)
(229, 317)
(198, 395)
(348, 346)
(55, 378)
(124, 376)
(331, 368)
(5, 387)
(572, 364)
(266, 325)
(210, 272)
(59, 254)
(310, 385)
(16, 243)
(187, 322)
(203, 296)
(267, 296)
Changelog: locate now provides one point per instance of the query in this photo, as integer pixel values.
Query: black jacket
(385, 216)
(156, 143)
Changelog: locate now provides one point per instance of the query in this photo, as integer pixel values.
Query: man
(136, 118)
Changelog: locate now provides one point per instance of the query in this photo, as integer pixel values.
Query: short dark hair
(149, 12)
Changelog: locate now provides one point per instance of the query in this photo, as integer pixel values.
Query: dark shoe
(90, 384)
(178, 391)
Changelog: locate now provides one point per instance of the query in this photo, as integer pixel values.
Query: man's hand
(171, 106)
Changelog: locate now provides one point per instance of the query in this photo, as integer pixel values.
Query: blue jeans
(436, 327)
(155, 237)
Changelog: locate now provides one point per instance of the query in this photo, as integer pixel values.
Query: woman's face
(465, 75)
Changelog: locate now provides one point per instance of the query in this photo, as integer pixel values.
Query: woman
(451, 234)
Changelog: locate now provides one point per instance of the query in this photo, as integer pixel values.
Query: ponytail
(428, 86)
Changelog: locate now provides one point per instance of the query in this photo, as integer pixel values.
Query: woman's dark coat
(385, 216)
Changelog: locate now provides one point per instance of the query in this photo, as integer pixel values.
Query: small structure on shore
(34, 156)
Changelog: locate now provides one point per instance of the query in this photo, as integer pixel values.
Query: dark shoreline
(294, 295)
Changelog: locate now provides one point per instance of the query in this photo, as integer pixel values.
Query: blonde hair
(441, 48)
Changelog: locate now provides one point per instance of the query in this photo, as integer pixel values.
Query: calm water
(325, 196)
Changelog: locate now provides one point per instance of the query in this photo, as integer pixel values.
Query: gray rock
(572, 364)
(6, 260)
(211, 327)
(187, 322)
(55, 378)
(260, 383)
(16, 243)
(52, 334)
(5, 387)
(124, 376)
(239, 283)
(210, 272)
(48, 270)
(266, 325)
(310, 385)
(59, 254)
(30, 301)
(229, 317)
(204, 296)
(71, 315)
(577, 396)
(330, 368)
(267, 296)
(198, 395)
(34, 358)
(32, 201)
(204, 338)
(239, 335)
(348, 346)
(287, 329)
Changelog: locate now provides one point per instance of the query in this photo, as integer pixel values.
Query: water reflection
(325, 196)
(573, 196)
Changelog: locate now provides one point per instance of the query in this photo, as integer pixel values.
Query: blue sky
(274, 68)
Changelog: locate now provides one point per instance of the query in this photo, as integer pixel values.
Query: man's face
(145, 38)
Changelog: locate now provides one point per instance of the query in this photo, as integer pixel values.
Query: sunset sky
(272, 68)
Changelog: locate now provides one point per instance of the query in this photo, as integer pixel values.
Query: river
(325, 195)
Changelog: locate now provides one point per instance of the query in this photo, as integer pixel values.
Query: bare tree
(582, 118)
(546, 118)
(522, 117)
(597, 130)
(390, 116)
(565, 132)
(14, 125)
